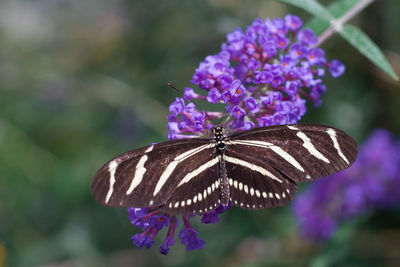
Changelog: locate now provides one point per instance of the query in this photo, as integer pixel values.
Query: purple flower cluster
(371, 183)
(263, 75)
(152, 221)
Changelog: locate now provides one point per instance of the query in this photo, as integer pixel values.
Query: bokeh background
(82, 81)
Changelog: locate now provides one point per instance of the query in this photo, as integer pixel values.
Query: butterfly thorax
(219, 138)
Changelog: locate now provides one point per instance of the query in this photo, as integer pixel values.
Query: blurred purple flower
(336, 68)
(190, 238)
(371, 183)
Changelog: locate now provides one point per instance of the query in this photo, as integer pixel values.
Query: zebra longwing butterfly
(253, 169)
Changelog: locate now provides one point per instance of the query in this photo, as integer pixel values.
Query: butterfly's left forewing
(148, 176)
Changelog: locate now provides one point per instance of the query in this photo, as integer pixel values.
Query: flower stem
(336, 25)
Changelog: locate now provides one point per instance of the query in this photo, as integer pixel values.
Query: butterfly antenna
(226, 109)
(192, 101)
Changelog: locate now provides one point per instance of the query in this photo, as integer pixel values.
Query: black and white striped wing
(150, 176)
(199, 190)
(253, 183)
(275, 158)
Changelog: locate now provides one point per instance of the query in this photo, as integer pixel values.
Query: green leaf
(337, 9)
(312, 7)
(367, 47)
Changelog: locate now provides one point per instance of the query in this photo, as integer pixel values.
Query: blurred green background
(82, 81)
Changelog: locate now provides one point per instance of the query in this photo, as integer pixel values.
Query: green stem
(336, 25)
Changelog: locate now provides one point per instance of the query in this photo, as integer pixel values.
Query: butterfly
(252, 169)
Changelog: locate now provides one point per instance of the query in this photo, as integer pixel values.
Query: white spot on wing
(252, 167)
(150, 148)
(274, 148)
(310, 147)
(139, 172)
(332, 134)
(112, 167)
(172, 165)
(199, 170)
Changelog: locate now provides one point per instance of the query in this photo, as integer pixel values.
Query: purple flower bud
(169, 242)
(297, 51)
(210, 217)
(142, 240)
(276, 69)
(307, 37)
(287, 62)
(293, 22)
(265, 121)
(177, 106)
(238, 112)
(213, 96)
(248, 125)
(136, 216)
(277, 81)
(291, 88)
(281, 42)
(277, 26)
(189, 93)
(320, 72)
(316, 56)
(253, 64)
(237, 89)
(336, 68)
(158, 221)
(173, 127)
(226, 97)
(252, 104)
(190, 238)
(262, 77)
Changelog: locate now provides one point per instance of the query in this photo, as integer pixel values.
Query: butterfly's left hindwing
(147, 176)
